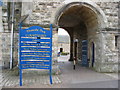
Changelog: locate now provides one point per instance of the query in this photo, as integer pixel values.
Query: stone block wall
(1, 61)
(119, 53)
(111, 11)
(1, 29)
(110, 57)
(5, 49)
(65, 46)
(41, 12)
(108, 60)
(54, 46)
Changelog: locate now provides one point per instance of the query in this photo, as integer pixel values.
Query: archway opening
(82, 22)
(63, 45)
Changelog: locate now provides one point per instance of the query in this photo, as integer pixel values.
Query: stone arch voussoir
(92, 5)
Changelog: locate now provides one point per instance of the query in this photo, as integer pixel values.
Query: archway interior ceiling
(81, 22)
(78, 15)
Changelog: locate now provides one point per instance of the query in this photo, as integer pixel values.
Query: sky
(62, 32)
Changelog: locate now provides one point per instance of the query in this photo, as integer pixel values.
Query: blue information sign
(35, 49)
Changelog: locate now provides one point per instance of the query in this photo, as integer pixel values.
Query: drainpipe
(12, 33)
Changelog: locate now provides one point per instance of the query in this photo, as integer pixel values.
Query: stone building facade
(96, 22)
(64, 43)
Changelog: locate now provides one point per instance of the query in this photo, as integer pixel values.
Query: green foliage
(64, 53)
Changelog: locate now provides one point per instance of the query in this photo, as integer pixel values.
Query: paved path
(80, 78)
(84, 77)
(10, 79)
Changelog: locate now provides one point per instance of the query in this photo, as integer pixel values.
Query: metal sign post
(12, 37)
(35, 49)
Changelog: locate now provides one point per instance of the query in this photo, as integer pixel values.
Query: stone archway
(84, 21)
(88, 3)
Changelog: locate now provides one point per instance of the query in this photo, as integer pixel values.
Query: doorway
(93, 54)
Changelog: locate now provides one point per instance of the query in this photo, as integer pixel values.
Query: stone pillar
(118, 44)
(105, 53)
(55, 68)
(54, 45)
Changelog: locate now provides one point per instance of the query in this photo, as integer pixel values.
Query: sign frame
(20, 55)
